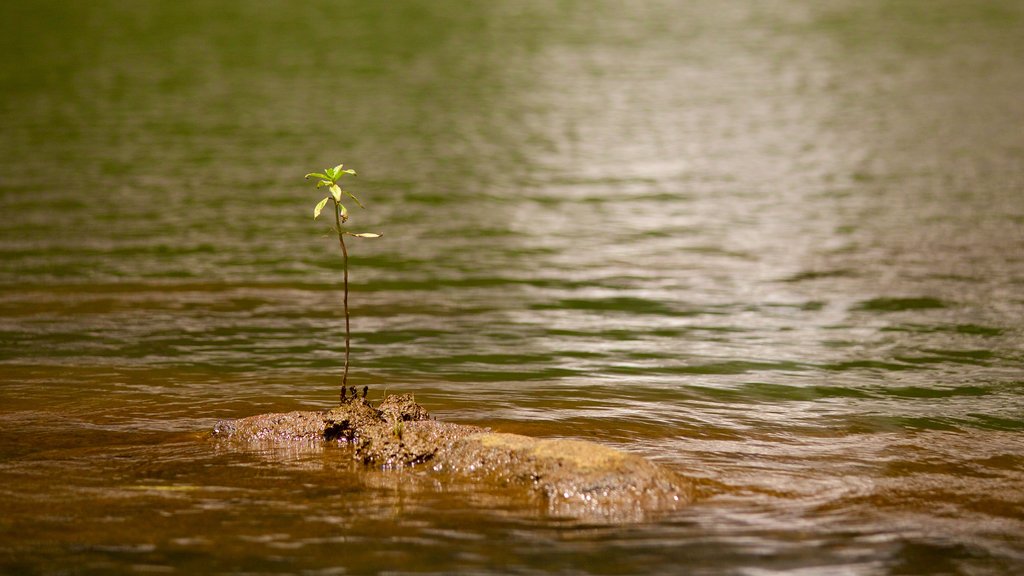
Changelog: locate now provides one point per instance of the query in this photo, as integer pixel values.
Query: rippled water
(778, 247)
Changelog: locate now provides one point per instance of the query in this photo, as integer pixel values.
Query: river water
(776, 246)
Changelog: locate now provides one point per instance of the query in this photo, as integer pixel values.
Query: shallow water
(778, 247)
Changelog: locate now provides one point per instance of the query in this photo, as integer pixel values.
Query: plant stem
(344, 257)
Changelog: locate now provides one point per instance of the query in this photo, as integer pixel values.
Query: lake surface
(775, 246)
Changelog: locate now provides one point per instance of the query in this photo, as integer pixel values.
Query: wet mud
(573, 478)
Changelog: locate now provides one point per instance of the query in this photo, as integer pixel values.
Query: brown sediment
(577, 478)
(574, 478)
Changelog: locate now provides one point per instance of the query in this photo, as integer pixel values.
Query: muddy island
(573, 478)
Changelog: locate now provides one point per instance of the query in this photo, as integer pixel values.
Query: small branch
(348, 337)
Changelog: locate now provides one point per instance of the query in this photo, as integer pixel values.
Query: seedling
(329, 179)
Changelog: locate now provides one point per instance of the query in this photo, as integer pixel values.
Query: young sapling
(329, 179)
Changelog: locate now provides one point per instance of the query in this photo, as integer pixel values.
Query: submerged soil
(572, 478)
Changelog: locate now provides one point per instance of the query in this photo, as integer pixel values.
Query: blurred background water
(776, 246)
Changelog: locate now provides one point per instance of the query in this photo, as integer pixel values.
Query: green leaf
(364, 235)
(344, 211)
(331, 174)
(337, 169)
(317, 175)
(336, 192)
(349, 171)
(319, 208)
(352, 196)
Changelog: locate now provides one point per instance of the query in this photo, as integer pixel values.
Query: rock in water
(575, 478)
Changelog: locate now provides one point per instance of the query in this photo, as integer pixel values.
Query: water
(778, 247)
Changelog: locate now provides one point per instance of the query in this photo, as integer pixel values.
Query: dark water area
(775, 246)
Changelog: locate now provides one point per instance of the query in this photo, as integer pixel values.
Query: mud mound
(575, 478)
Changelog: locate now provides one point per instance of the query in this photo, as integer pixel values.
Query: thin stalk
(348, 338)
